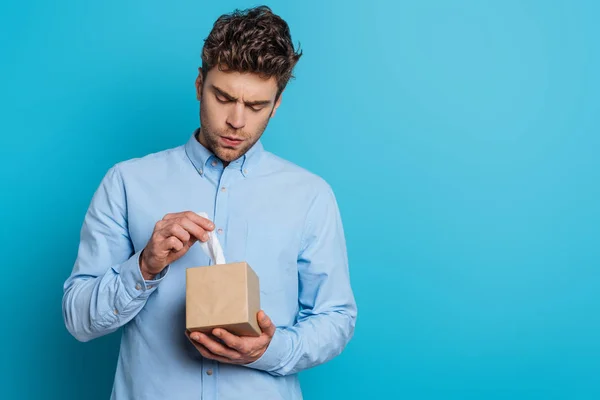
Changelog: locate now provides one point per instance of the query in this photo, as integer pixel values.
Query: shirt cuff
(133, 281)
(277, 351)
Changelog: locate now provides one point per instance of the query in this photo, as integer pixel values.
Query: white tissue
(212, 247)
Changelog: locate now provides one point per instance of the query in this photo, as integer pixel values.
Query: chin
(228, 155)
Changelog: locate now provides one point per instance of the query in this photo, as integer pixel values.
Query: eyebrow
(232, 98)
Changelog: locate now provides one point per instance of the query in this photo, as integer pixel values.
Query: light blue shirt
(283, 220)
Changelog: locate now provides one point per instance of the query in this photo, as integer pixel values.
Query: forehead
(248, 85)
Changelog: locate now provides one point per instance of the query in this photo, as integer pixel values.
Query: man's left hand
(236, 349)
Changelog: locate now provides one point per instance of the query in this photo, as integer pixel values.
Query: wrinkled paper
(212, 247)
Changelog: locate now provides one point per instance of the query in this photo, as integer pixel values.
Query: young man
(139, 233)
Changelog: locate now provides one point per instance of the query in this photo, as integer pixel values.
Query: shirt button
(150, 286)
(200, 171)
(246, 171)
(220, 231)
(209, 372)
(138, 286)
(115, 311)
(223, 189)
(214, 163)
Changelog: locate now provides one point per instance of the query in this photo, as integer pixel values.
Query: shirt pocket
(272, 252)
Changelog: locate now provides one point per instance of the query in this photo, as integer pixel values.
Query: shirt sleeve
(106, 288)
(327, 317)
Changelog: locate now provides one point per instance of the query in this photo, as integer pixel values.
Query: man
(139, 233)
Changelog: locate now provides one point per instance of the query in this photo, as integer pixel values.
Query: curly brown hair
(252, 40)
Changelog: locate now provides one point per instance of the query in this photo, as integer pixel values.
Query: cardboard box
(222, 296)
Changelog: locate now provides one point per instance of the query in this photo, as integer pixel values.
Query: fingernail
(205, 237)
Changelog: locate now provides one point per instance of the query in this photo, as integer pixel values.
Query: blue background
(461, 139)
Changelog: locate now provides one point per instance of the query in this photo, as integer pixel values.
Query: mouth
(231, 141)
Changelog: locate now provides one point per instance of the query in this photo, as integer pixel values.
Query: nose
(236, 118)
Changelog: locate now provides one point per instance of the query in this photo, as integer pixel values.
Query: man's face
(235, 109)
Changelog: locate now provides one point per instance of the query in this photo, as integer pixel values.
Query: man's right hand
(172, 238)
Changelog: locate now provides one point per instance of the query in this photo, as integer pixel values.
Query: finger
(207, 354)
(175, 230)
(193, 228)
(216, 347)
(194, 337)
(231, 340)
(183, 228)
(160, 225)
(186, 246)
(265, 323)
(171, 216)
(174, 244)
(204, 223)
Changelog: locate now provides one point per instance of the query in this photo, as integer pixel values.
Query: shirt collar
(200, 156)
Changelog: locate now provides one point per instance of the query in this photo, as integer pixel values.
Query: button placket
(221, 202)
(209, 383)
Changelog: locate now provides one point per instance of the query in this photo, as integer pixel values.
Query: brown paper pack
(222, 296)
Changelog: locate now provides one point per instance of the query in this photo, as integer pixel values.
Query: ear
(199, 83)
(277, 103)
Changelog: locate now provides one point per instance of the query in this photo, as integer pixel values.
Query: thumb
(265, 323)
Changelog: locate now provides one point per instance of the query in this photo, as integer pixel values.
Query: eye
(256, 108)
(221, 99)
